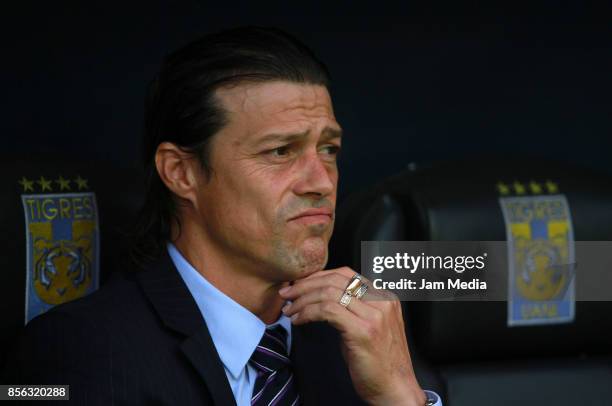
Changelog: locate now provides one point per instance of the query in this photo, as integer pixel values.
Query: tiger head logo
(541, 277)
(62, 270)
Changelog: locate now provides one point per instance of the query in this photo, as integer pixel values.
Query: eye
(330, 150)
(279, 154)
(280, 151)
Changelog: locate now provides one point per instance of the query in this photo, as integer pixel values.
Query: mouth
(314, 216)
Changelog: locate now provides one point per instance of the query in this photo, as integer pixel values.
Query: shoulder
(84, 332)
(120, 296)
(63, 348)
(112, 344)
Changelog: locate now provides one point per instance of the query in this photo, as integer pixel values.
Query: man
(231, 304)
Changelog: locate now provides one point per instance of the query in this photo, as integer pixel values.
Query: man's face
(270, 201)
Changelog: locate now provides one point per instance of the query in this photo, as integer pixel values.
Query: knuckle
(370, 332)
(297, 304)
(339, 280)
(377, 318)
(305, 314)
(327, 308)
(346, 269)
(330, 293)
(297, 290)
(387, 305)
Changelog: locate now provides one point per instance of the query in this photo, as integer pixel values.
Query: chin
(296, 261)
(312, 256)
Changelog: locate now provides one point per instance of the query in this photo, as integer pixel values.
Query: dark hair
(181, 108)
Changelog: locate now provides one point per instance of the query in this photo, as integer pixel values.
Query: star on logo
(81, 183)
(535, 187)
(552, 187)
(503, 188)
(44, 184)
(519, 188)
(64, 184)
(28, 185)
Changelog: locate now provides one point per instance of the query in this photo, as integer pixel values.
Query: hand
(374, 342)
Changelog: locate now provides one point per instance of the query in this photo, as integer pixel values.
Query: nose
(316, 178)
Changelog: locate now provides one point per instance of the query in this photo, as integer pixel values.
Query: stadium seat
(465, 350)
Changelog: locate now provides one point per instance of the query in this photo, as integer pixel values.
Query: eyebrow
(328, 133)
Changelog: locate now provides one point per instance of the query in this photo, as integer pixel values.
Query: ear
(178, 170)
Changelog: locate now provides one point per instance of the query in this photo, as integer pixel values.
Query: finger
(331, 294)
(335, 314)
(327, 293)
(329, 285)
(344, 270)
(381, 299)
(304, 286)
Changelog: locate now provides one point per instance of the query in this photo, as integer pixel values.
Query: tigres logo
(541, 259)
(62, 249)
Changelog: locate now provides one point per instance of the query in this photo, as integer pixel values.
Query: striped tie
(275, 384)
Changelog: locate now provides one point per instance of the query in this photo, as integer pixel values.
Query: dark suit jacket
(141, 339)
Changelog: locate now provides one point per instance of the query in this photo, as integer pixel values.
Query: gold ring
(354, 285)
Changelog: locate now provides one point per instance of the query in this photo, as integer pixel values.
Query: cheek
(250, 208)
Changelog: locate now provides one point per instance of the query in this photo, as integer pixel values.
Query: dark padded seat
(466, 348)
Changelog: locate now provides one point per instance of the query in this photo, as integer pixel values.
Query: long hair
(181, 108)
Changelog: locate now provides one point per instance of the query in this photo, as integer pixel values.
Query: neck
(228, 275)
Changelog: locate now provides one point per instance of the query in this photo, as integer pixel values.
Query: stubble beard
(298, 260)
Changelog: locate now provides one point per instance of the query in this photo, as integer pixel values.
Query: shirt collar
(234, 330)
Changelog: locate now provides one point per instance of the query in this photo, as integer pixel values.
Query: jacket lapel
(200, 350)
(303, 366)
(320, 370)
(173, 302)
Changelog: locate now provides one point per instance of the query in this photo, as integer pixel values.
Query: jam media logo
(540, 258)
(62, 248)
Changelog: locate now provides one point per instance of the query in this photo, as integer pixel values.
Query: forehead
(277, 104)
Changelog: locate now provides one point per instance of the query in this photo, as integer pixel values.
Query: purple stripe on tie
(272, 353)
(258, 395)
(276, 339)
(295, 402)
(279, 395)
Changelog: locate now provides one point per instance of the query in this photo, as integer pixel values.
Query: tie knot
(271, 353)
